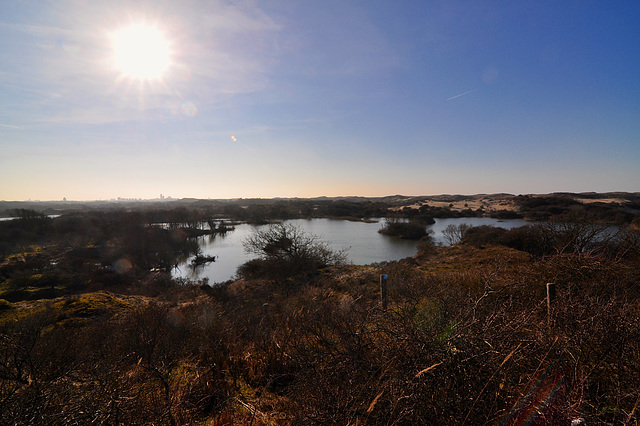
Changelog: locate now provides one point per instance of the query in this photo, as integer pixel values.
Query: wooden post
(383, 291)
(551, 296)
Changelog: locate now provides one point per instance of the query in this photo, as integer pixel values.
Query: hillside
(466, 339)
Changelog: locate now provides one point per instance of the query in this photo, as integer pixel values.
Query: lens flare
(189, 109)
(537, 399)
(122, 265)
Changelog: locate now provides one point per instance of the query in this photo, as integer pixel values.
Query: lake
(52, 216)
(364, 243)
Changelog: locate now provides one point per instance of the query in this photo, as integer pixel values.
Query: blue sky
(311, 98)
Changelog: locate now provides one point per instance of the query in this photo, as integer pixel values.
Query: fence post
(383, 291)
(551, 296)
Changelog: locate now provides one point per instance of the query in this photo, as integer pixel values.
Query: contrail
(10, 126)
(462, 94)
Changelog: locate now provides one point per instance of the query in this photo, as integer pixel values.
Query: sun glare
(141, 52)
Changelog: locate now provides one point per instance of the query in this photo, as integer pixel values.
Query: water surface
(364, 243)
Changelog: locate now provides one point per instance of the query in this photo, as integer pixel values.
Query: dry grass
(465, 340)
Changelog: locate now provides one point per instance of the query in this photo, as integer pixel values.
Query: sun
(140, 52)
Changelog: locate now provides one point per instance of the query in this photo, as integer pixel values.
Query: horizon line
(171, 199)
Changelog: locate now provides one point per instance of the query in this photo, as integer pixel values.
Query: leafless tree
(453, 234)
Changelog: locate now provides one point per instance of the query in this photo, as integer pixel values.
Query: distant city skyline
(236, 99)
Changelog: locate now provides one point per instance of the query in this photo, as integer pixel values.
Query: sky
(317, 98)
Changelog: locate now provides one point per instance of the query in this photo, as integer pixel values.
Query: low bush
(453, 234)
(444, 352)
(285, 250)
(426, 245)
(479, 236)
(410, 230)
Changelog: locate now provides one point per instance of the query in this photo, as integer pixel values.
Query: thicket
(466, 338)
(553, 238)
(566, 208)
(46, 258)
(284, 251)
(413, 229)
(469, 344)
(267, 211)
(453, 234)
(445, 212)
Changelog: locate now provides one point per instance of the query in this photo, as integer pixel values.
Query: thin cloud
(10, 126)
(65, 62)
(39, 30)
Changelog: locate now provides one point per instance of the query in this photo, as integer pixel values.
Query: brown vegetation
(465, 341)
(466, 337)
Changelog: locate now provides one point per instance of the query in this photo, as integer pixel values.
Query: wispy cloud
(64, 61)
(10, 126)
